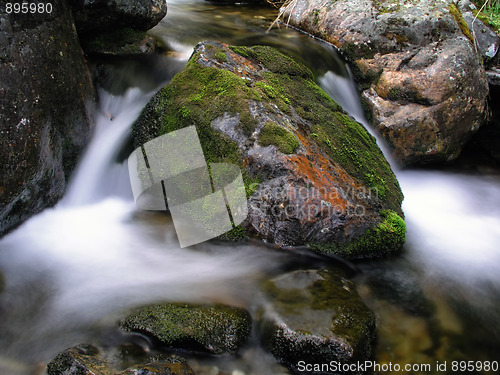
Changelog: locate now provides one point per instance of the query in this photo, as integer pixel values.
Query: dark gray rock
(494, 76)
(215, 329)
(45, 95)
(316, 317)
(120, 42)
(95, 16)
(419, 72)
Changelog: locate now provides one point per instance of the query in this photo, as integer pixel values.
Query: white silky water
(451, 258)
(72, 269)
(453, 219)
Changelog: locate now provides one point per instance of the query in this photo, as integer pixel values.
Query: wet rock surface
(45, 94)
(90, 360)
(313, 175)
(120, 42)
(316, 317)
(94, 16)
(214, 329)
(423, 83)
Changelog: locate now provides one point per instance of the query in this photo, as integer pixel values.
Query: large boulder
(315, 322)
(96, 16)
(45, 92)
(422, 80)
(313, 175)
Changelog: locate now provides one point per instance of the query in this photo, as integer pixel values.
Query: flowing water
(73, 269)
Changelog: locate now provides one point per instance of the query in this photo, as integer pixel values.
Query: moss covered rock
(316, 317)
(215, 329)
(90, 360)
(423, 82)
(45, 92)
(313, 175)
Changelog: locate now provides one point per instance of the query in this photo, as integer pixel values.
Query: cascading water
(451, 253)
(71, 269)
(98, 175)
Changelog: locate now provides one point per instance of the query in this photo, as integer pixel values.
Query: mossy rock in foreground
(316, 317)
(90, 360)
(214, 329)
(313, 175)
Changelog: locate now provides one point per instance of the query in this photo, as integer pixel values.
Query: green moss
(274, 60)
(240, 50)
(315, 14)
(270, 91)
(216, 329)
(386, 237)
(273, 134)
(490, 16)
(238, 233)
(200, 94)
(220, 56)
(457, 15)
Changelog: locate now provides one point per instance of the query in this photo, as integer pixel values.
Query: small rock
(215, 329)
(90, 360)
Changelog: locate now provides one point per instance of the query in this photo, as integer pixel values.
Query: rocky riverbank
(421, 68)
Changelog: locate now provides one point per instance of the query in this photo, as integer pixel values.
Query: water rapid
(73, 269)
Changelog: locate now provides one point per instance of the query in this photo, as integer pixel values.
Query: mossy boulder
(316, 317)
(422, 80)
(46, 96)
(313, 175)
(214, 329)
(90, 360)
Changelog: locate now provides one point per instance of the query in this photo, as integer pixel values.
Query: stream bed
(73, 269)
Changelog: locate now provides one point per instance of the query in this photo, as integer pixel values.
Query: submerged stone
(316, 317)
(215, 329)
(313, 175)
